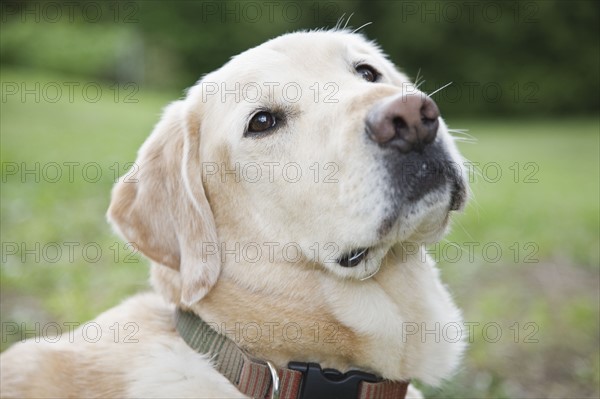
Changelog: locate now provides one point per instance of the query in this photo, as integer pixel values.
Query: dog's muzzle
(406, 129)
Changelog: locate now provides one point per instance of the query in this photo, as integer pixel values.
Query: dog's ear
(160, 205)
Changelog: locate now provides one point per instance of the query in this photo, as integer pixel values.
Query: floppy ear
(161, 207)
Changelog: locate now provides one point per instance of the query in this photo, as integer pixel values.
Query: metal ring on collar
(275, 378)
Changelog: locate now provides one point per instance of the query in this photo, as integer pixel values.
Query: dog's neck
(259, 378)
(305, 314)
(280, 320)
(295, 313)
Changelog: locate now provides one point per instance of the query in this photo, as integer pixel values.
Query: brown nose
(407, 122)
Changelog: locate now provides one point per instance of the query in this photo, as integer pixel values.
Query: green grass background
(557, 217)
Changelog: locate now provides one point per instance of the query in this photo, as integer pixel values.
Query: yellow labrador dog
(285, 203)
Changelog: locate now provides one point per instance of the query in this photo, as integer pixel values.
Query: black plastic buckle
(329, 383)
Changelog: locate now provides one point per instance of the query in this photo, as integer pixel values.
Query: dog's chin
(425, 220)
(431, 229)
(422, 221)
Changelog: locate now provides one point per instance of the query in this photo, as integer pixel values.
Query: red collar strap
(261, 380)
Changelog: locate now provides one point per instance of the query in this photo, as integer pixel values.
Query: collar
(262, 380)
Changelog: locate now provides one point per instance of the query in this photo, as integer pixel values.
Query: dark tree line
(505, 58)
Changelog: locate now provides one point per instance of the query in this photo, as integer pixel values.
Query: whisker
(417, 78)
(438, 90)
(462, 227)
(348, 21)
(338, 24)
(464, 140)
(362, 26)
(462, 134)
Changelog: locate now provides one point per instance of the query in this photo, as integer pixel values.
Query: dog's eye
(261, 122)
(367, 72)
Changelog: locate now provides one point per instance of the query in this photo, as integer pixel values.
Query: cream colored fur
(187, 218)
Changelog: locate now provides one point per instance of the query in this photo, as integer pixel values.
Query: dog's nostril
(427, 121)
(430, 124)
(399, 123)
(429, 110)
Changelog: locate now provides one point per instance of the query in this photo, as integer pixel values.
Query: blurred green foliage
(503, 57)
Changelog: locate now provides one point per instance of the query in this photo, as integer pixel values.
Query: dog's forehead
(322, 52)
(318, 43)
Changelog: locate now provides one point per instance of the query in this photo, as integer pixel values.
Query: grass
(542, 292)
(546, 192)
(90, 144)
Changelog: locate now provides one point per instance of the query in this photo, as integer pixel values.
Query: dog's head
(312, 145)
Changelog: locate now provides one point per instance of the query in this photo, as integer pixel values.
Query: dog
(285, 204)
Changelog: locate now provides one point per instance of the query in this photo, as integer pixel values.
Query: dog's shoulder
(131, 350)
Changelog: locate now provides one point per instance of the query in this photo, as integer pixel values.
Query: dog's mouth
(458, 196)
(353, 258)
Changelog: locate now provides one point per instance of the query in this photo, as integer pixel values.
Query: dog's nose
(407, 122)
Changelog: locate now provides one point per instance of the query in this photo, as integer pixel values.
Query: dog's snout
(407, 122)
